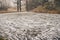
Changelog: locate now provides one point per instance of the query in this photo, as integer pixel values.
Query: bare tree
(18, 5)
(4, 4)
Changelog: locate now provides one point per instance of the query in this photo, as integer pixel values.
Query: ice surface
(30, 26)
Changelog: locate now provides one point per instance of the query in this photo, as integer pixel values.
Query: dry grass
(9, 10)
(42, 9)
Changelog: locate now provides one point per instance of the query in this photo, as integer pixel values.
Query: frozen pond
(30, 26)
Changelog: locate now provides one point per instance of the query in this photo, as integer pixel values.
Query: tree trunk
(18, 5)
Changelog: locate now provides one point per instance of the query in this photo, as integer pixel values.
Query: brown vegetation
(9, 10)
(42, 9)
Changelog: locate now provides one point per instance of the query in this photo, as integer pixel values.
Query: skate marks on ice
(30, 26)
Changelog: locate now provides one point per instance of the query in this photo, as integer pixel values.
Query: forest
(33, 5)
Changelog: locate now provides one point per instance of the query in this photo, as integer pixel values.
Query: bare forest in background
(50, 6)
